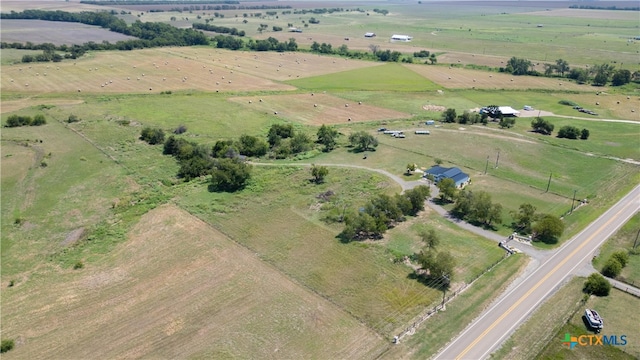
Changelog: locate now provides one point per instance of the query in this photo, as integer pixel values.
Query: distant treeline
(225, 7)
(594, 7)
(149, 34)
(218, 29)
(156, 2)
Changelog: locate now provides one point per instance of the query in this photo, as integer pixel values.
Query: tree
(363, 141)
(449, 115)
(440, 266)
(252, 146)
(411, 168)
(6, 345)
(523, 218)
(195, 167)
(430, 238)
(597, 285)
(561, 67)
(319, 173)
(548, 229)
(579, 75)
(612, 268)
(300, 142)
(569, 132)
(277, 132)
(447, 189)
(621, 77)
(584, 134)
(40, 120)
(327, 136)
(230, 175)
(220, 149)
(542, 126)
(600, 79)
(152, 136)
(518, 66)
(416, 197)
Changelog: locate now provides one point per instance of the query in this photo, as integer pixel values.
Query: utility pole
(549, 183)
(497, 158)
(486, 166)
(634, 243)
(573, 201)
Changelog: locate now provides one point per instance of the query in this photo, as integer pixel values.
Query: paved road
(487, 332)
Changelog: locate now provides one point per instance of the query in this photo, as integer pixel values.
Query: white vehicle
(594, 319)
(527, 108)
(423, 132)
(392, 132)
(402, 136)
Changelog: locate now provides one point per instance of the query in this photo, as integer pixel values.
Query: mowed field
(318, 109)
(178, 288)
(171, 69)
(56, 32)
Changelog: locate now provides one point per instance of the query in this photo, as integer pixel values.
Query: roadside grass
(623, 240)
(286, 231)
(177, 288)
(436, 332)
(386, 77)
(544, 325)
(619, 319)
(47, 189)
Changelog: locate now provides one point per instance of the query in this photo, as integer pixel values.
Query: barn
(439, 173)
(401, 38)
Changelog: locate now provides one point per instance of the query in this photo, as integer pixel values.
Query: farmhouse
(401, 38)
(439, 173)
(369, 34)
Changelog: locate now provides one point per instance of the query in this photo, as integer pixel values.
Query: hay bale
(315, 105)
(346, 105)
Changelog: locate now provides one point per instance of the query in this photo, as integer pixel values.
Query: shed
(369, 34)
(508, 111)
(429, 122)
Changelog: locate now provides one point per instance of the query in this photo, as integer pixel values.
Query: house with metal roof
(439, 173)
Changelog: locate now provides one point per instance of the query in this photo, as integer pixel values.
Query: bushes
(569, 132)
(616, 262)
(18, 120)
(597, 285)
(152, 136)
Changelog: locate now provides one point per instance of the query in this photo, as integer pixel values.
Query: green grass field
(624, 239)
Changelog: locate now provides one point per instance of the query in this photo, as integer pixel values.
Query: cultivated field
(178, 288)
(56, 32)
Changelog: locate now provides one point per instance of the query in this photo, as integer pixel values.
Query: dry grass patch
(318, 109)
(15, 105)
(460, 78)
(178, 288)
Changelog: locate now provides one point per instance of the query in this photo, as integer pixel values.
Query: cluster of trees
(616, 262)
(219, 29)
(272, 44)
(450, 116)
(152, 136)
(381, 11)
(543, 227)
(24, 120)
(284, 141)
(383, 212)
(476, 207)
(437, 266)
(545, 127)
(598, 75)
(318, 11)
(363, 141)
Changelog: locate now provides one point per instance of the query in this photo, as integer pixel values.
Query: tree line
(24, 120)
(598, 74)
(218, 29)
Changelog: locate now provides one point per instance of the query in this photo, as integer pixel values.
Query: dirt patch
(73, 237)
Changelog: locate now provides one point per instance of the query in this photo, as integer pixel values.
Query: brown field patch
(57, 32)
(318, 109)
(459, 78)
(50, 5)
(177, 289)
(589, 13)
(273, 65)
(140, 71)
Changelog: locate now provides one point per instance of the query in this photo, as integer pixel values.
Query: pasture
(56, 32)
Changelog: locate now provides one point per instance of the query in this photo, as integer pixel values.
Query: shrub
(38, 120)
(621, 256)
(569, 132)
(612, 268)
(17, 120)
(180, 130)
(73, 118)
(152, 136)
(568, 103)
(6, 345)
(584, 135)
(78, 265)
(597, 285)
